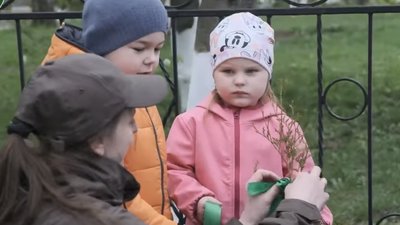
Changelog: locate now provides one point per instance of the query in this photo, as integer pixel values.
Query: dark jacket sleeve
(52, 214)
(290, 212)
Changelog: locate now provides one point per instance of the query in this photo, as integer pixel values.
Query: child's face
(140, 56)
(240, 82)
(117, 144)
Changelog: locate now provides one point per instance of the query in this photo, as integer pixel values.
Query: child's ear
(97, 145)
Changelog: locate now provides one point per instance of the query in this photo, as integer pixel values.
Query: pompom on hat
(243, 35)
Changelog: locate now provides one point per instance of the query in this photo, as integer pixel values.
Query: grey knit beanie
(111, 24)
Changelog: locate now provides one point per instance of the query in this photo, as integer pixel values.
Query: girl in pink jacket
(214, 148)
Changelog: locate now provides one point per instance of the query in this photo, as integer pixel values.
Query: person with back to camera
(129, 33)
(214, 148)
(80, 109)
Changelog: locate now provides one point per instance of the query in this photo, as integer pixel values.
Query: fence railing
(175, 13)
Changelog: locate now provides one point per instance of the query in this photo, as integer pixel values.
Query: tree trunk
(206, 24)
(43, 6)
(184, 23)
(362, 2)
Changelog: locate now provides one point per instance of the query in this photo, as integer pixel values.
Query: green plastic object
(256, 188)
(212, 213)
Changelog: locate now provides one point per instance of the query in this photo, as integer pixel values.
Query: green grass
(35, 43)
(344, 55)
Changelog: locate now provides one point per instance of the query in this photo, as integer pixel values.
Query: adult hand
(308, 187)
(258, 206)
(201, 205)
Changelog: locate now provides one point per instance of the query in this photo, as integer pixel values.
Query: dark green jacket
(291, 212)
(102, 190)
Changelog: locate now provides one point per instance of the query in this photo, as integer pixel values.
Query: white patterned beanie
(243, 35)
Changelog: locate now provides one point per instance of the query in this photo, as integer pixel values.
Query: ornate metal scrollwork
(179, 6)
(5, 3)
(343, 118)
(386, 217)
(312, 4)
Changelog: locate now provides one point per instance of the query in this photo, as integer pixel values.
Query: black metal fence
(175, 12)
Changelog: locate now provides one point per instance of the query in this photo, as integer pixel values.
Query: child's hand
(257, 206)
(201, 206)
(308, 187)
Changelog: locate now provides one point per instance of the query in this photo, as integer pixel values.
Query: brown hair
(30, 174)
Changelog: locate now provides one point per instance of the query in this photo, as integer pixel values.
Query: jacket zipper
(161, 163)
(236, 116)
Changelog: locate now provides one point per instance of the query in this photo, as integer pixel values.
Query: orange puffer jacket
(146, 159)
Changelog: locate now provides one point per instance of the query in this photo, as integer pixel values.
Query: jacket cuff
(302, 208)
(196, 202)
(234, 221)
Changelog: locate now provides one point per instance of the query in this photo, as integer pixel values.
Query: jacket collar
(72, 35)
(105, 180)
(264, 111)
